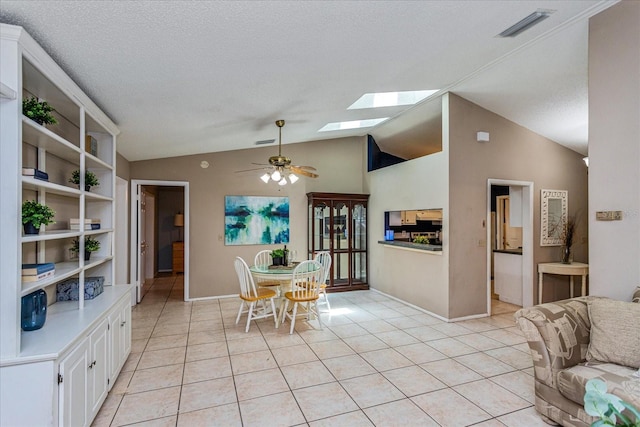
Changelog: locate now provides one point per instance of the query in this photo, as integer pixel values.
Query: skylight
(391, 99)
(354, 124)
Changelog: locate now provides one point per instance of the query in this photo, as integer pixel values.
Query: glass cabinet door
(319, 239)
(338, 224)
(359, 215)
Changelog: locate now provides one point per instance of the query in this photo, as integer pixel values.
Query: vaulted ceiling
(187, 77)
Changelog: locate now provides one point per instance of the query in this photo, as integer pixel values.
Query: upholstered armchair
(559, 336)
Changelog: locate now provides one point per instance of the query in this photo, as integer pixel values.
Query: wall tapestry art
(256, 220)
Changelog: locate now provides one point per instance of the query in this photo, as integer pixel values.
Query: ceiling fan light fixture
(266, 177)
(293, 178)
(283, 181)
(276, 175)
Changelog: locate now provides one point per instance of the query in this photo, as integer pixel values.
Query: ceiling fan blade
(303, 172)
(311, 168)
(260, 164)
(255, 169)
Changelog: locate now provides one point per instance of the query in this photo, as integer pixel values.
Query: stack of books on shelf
(35, 272)
(36, 173)
(89, 223)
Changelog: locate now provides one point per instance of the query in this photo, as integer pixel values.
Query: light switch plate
(609, 216)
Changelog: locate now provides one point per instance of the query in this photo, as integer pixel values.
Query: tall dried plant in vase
(566, 236)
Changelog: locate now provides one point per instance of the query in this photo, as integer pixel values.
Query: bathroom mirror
(553, 214)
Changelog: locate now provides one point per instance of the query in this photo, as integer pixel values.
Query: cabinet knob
(92, 364)
(124, 322)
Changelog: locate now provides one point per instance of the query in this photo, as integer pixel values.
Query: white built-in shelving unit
(75, 331)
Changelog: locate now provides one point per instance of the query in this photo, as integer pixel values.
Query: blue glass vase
(34, 310)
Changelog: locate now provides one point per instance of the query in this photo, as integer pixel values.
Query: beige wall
(123, 169)
(419, 278)
(340, 164)
(514, 153)
(453, 285)
(614, 149)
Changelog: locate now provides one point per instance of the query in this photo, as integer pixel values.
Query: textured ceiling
(186, 77)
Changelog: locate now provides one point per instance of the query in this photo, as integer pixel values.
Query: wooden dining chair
(262, 261)
(305, 288)
(250, 296)
(324, 258)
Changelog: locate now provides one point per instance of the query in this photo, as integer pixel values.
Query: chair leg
(249, 315)
(293, 317)
(273, 310)
(283, 312)
(240, 311)
(326, 298)
(318, 314)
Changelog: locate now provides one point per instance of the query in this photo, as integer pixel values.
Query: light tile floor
(377, 362)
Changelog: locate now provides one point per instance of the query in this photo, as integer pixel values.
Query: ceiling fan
(281, 167)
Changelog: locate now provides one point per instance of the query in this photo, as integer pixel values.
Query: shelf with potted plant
(43, 138)
(56, 149)
(31, 183)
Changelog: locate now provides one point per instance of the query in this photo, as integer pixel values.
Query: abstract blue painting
(256, 220)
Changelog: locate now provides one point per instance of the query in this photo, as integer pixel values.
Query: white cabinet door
(115, 341)
(98, 368)
(126, 331)
(119, 338)
(508, 277)
(72, 400)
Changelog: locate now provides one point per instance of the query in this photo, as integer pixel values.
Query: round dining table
(282, 274)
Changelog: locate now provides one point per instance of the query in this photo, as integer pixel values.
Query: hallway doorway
(156, 232)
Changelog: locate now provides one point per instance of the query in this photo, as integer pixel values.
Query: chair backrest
(247, 286)
(306, 278)
(263, 260)
(324, 258)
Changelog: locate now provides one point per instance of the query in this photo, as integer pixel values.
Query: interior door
(122, 229)
(149, 234)
(141, 242)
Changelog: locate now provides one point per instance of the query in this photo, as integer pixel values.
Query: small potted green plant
(34, 215)
(277, 256)
(90, 245)
(90, 179)
(38, 111)
(423, 240)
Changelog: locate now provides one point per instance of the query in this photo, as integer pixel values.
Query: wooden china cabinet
(338, 224)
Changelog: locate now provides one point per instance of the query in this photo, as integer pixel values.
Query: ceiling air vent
(265, 142)
(526, 23)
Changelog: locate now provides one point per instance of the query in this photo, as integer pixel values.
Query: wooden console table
(573, 269)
